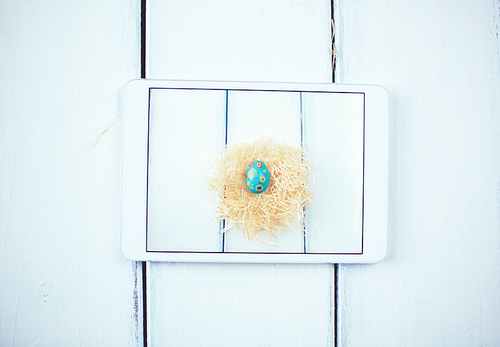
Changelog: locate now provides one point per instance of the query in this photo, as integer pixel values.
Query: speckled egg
(257, 177)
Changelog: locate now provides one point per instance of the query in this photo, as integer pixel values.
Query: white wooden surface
(440, 283)
(63, 279)
(239, 305)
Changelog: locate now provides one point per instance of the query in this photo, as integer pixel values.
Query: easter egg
(257, 179)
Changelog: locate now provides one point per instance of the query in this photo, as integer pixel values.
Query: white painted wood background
(440, 282)
(63, 281)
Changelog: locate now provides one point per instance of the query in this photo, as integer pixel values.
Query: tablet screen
(188, 130)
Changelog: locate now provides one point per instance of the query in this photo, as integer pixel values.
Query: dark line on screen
(302, 144)
(225, 145)
(144, 272)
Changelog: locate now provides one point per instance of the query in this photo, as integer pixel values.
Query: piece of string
(95, 143)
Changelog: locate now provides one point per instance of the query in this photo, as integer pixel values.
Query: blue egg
(257, 177)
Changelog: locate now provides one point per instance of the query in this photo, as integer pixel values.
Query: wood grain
(64, 280)
(439, 285)
(229, 304)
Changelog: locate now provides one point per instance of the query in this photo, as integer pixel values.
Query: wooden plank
(62, 70)
(274, 115)
(283, 41)
(333, 127)
(243, 305)
(441, 64)
(230, 304)
(187, 134)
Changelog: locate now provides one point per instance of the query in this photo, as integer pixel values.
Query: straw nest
(276, 209)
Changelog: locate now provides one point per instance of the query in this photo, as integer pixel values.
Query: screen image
(189, 129)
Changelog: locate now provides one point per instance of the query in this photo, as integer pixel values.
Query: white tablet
(175, 130)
